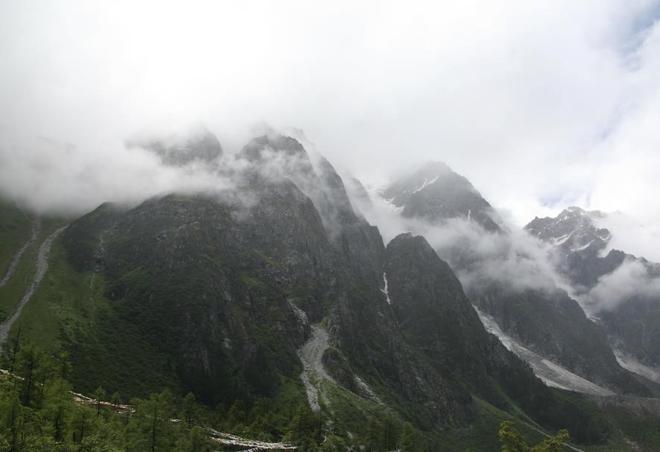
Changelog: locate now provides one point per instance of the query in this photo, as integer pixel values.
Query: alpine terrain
(279, 309)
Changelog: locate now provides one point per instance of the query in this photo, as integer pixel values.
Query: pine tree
(27, 366)
(189, 409)
(512, 441)
(305, 429)
(99, 396)
(408, 439)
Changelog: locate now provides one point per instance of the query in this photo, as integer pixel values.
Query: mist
(631, 280)
(50, 177)
(541, 105)
(479, 257)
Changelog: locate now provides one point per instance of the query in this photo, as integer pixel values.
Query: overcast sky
(541, 104)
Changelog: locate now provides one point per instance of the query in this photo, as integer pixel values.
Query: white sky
(541, 104)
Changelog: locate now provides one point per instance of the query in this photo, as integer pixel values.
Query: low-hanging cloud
(50, 177)
(540, 104)
(479, 257)
(630, 280)
(631, 235)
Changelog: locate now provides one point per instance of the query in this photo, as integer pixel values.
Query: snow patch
(426, 183)
(561, 240)
(386, 290)
(583, 247)
(633, 365)
(550, 373)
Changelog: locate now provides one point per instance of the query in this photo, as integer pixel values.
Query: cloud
(52, 177)
(478, 256)
(630, 280)
(540, 104)
(631, 235)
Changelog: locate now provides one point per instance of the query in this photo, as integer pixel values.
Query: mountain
(540, 317)
(358, 193)
(195, 145)
(577, 245)
(579, 248)
(554, 325)
(436, 316)
(275, 291)
(435, 193)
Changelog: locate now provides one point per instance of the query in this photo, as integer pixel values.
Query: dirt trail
(42, 267)
(36, 228)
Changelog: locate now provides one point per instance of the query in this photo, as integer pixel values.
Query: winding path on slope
(36, 228)
(42, 267)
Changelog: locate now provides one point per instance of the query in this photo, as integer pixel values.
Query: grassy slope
(13, 291)
(15, 230)
(351, 413)
(65, 300)
(69, 312)
(635, 430)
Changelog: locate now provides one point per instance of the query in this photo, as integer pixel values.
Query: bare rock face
(545, 320)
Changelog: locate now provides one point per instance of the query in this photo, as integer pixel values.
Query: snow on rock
(385, 289)
(633, 365)
(550, 373)
(425, 184)
(583, 247)
(561, 240)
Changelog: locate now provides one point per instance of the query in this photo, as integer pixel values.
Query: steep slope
(616, 287)
(358, 193)
(277, 290)
(213, 283)
(434, 315)
(554, 326)
(539, 315)
(212, 292)
(549, 372)
(435, 193)
(15, 233)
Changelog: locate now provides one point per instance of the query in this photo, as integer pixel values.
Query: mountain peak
(436, 193)
(179, 149)
(574, 228)
(275, 142)
(577, 243)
